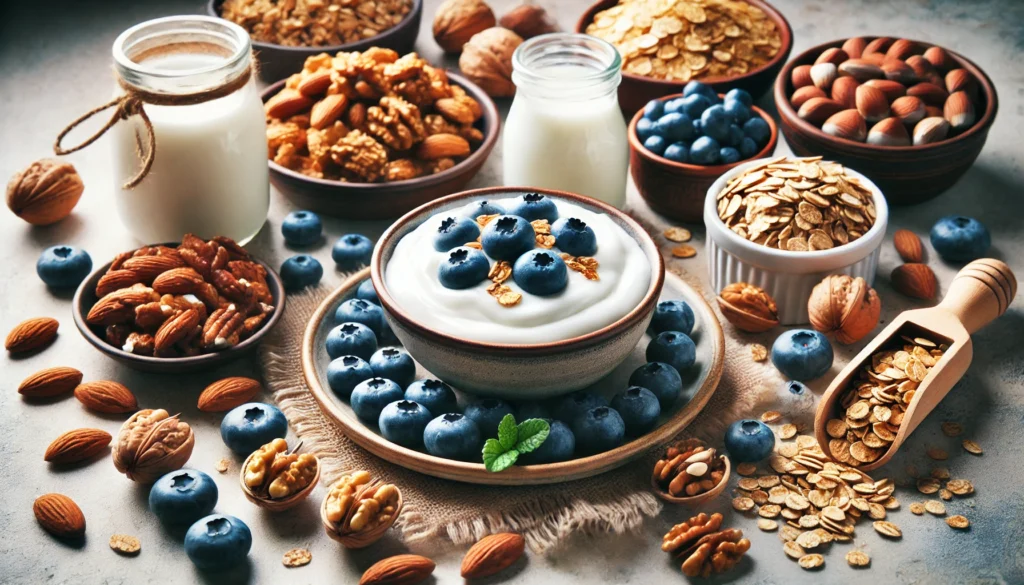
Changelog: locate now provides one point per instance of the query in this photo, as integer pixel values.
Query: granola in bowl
(315, 23)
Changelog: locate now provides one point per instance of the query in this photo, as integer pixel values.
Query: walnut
(319, 142)
(152, 443)
(396, 123)
(437, 124)
(716, 553)
(487, 61)
(748, 307)
(682, 536)
(845, 306)
(528, 21)
(308, 23)
(402, 169)
(360, 155)
(45, 192)
(456, 21)
(273, 473)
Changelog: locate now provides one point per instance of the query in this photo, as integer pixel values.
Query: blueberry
(749, 440)
(434, 394)
(301, 228)
(654, 109)
(369, 397)
(738, 112)
(183, 496)
(402, 422)
(645, 129)
(218, 541)
(531, 409)
(704, 151)
(960, 239)
(728, 155)
(483, 207)
(672, 316)
(698, 88)
(301, 271)
(674, 348)
(559, 446)
(569, 407)
(675, 106)
(463, 267)
(394, 364)
(351, 339)
(345, 373)
(534, 206)
(694, 105)
(598, 429)
(675, 127)
(739, 95)
(508, 237)
(453, 436)
(639, 409)
(63, 266)
(677, 152)
(366, 292)
(574, 236)
(757, 129)
(656, 144)
(698, 128)
(802, 354)
(661, 379)
(541, 273)
(360, 311)
(716, 123)
(748, 148)
(487, 413)
(735, 136)
(455, 231)
(352, 251)
(250, 426)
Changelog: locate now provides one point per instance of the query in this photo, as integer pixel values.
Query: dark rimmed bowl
(280, 61)
(526, 371)
(85, 298)
(906, 174)
(677, 190)
(636, 90)
(388, 200)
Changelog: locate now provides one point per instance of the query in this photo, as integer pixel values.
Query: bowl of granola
(284, 36)
(372, 135)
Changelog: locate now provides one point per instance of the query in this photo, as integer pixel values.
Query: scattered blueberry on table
(360, 311)
(534, 206)
(661, 379)
(301, 228)
(366, 292)
(63, 266)
(183, 496)
(960, 239)
(639, 409)
(402, 422)
(559, 446)
(749, 440)
(437, 396)
(598, 429)
(487, 413)
(455, 231)
(345, 373)
(573, 236)
(250, 426)
(672, 316)
(351, 339)
(369, 397)
(394, 364)
(571, 406)
(352, 251)
(463, 267)
(674, 348)
(218, 541)
(301, 271)
(508, 237)
(453, 436)
(802, 354)
(541, 272)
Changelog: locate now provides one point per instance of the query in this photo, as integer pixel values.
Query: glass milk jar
(209, 170)
(565, 130)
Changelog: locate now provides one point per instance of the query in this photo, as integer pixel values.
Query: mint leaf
(508, 433)
(496, 458)
(532, 433)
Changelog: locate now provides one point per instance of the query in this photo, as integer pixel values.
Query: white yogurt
(582, 307)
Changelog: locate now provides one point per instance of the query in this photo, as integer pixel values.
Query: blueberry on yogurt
(508, 237)
(371, 396)
(360, 311)
(487, 413)
(453, 436)
(541, 273)
(661, 379)
(463, 268)
(455, 231)
(674, 348)
(351, 339)
(394, 364)
(483, 207)
(534, 206)
(403, 421)
(437, 396)
(345, 373)
(574, 236)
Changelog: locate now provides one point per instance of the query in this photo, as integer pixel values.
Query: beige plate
(700, 383)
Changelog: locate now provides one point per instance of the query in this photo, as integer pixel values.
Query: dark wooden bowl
(280, 61)
(906, 174)
(677, 190)
(388, 200)
(85, 298)
(635, 90)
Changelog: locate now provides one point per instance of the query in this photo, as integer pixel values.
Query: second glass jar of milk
(565, 130)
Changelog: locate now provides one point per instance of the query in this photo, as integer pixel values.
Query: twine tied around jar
(131, 104)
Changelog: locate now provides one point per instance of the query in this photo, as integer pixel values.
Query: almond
(801, 76)
(357, 115)
(874, 58)
(442, 146)
(909, 109)
(175, 329)
(889, 132)
(326, 111)
(848, 124)
(929, 93)
(915, 280)
(398, 570)
(844, 91)
(908, 246)
(823, 74)
(871, 103)
(854, 47)
(286, 103)
(77, 445)
(801, 95)
(228, 393)
(316, 83)
(901, 49)
(931, 129)
(833, 55)
(106, 396)
(861, 70)
(959, 111)
(492, 554)
(50, 382)
(896, 70)
(59, 515)
(114, 280)
(32, 334)
(454, 111)
(817, 110)
(891, 89)
(938, 57)
(110, 310)
(149, 267)
(922, 68)
(178, 281)
(879, 45)
(960, 80)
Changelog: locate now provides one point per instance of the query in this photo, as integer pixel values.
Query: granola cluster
(371, 117)
(315, 23)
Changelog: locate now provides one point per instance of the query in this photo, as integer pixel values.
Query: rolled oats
(972, 447)
(857, 558)
(811, 562)
(684, 251)
(677, 234)
(758, 352)
(125, 545)
(959, 522)
(315, 24)
(767, 525)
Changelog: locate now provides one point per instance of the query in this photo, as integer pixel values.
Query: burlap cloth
(440, 512)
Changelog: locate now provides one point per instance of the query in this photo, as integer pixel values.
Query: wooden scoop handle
(980, 292)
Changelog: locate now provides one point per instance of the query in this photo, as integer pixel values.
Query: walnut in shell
(845, 306)
(45, 192)
(528, 21)
(457, 21)
(487, 61)
(748, 307)
(152, 443)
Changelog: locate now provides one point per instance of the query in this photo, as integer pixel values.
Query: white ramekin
(787, 276)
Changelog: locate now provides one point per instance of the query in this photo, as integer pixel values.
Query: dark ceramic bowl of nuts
(909, 115)
(179, 307)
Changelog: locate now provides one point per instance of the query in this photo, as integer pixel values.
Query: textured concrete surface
(55, 63)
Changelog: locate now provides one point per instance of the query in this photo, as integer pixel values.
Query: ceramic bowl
(787, 277)
(907, 174)
(636, 90)
(676, 190)
(518, 370)
(279, 61)
(85, 298)
(699, 499)
(366, 201)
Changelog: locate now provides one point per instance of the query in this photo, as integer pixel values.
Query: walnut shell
(151, 443)
(45, 192)
(845, 306)
(748, 307)
(456, 21)
(528, 21)
(487, 61)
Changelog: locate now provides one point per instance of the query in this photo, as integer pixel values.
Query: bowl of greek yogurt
(518, 293)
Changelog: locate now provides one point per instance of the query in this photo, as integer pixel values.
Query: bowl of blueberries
(679, 144)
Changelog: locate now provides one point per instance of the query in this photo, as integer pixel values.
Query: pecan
(208, 295)
(196, 261)
(252, 324)
(715, 553)
(223, 329)
(150, 316)
(682, 536)
(117, 334)
(235, 252)
(220, 259)
(139, 343)
(229, 286)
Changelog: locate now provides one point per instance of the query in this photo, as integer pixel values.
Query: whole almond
(287, 103)
(454, 110)
(113, 280)
(59, 515)
(833, 55)
(50, 382)
(442, 146)
(844, 91)
(817, 110)
(77, 445)
(327, 110)
(175, 329)
(908, 246)
(32, 334)
(106, 396)
(854, 47)
(178, 281)
(149, 267)
(316, 83)
(848, 124)
(879, 45)
(802, 94)
(398, 570)
(492, 554)
(915, 280)
(228, 393)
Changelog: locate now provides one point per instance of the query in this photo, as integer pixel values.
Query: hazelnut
(845, 306)
(487, 60)
(528, 21)
(45, 192)
(457, 21)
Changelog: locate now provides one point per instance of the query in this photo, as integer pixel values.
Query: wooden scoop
(979, 293)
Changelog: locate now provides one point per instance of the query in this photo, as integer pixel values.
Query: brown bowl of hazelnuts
(909, 115)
